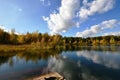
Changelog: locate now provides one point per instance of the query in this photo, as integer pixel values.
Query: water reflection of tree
(45, 54)
(89, 48)
(33, 56)
(38, 55)
(6, 58)
(3, 59)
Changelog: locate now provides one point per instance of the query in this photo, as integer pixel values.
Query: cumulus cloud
(96, 6)
(70, 10)
(112, 33)
(63, 20)
(95, 29)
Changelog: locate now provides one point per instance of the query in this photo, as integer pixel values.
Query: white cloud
(71, 10)
(112, 33)
(4, 28)
(8, 30)
(95, 29)
(96, 6)
(62, 21)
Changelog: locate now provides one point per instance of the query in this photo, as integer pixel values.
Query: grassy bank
(16, 48)
(13, 48)
(29, 48)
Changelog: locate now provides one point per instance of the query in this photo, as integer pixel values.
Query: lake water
(85, 63)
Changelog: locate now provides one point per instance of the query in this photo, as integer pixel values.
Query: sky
(76, 18)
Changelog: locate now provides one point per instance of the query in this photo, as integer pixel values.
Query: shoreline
(21, 48)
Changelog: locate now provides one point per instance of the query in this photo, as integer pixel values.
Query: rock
(50, 76)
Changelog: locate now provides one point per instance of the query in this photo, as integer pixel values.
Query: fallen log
(50, 76)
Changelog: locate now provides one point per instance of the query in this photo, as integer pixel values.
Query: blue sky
(81, 18)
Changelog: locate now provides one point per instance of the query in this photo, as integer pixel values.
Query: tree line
(45, 39)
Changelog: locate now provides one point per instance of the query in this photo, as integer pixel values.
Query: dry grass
(15, 48)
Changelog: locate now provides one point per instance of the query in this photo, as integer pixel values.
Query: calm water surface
(85, 63)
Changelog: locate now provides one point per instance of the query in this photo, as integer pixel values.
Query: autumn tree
(28, 38)
(112, 40)
(21, 39)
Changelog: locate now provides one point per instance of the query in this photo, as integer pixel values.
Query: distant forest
(36, 38)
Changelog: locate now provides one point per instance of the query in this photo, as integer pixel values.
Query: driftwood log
(50, 76)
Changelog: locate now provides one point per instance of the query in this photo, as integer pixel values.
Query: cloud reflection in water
(108, 59)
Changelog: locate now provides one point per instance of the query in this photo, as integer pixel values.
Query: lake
(85, 63)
